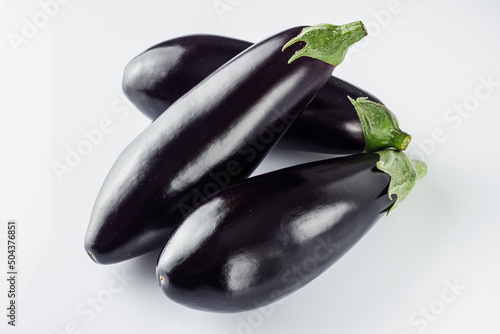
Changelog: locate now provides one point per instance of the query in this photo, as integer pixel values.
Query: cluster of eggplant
(219, 105)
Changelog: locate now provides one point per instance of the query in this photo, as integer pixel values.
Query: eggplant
(159, 76)
(265, 237)
(212, 137)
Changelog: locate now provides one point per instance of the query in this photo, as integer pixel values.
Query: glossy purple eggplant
(162, 74)
(265, 237)
(214, 136)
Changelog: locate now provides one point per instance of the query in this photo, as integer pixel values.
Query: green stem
(420, 168)
(404, 173)
(327, 42)
(380, 126)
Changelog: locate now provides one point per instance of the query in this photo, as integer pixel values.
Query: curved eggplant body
(213, 136)
(162, 74)
(159, 76)
(263, 238)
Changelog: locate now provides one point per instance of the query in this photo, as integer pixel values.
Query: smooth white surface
(422, 60)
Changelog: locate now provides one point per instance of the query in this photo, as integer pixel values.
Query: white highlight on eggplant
(318, 221)
(188, 239)
(240, 271)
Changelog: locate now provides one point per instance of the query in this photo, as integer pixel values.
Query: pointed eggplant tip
(161, 280)
(91, 255)
(94, 252)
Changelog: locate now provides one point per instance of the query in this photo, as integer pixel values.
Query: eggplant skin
(159, 76)
(265, 237)
(214, 136)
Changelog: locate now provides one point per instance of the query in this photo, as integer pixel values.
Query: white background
(423, 58)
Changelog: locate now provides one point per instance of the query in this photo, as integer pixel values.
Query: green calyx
(404, 173)
(327, 42)
(380, 126)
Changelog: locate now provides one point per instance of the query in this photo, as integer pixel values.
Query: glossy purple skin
(162, 74)
(265, 237)
(212, 137)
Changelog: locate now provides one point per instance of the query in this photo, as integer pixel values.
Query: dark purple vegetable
(263, 238)
(213, 136)
(162, 74)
